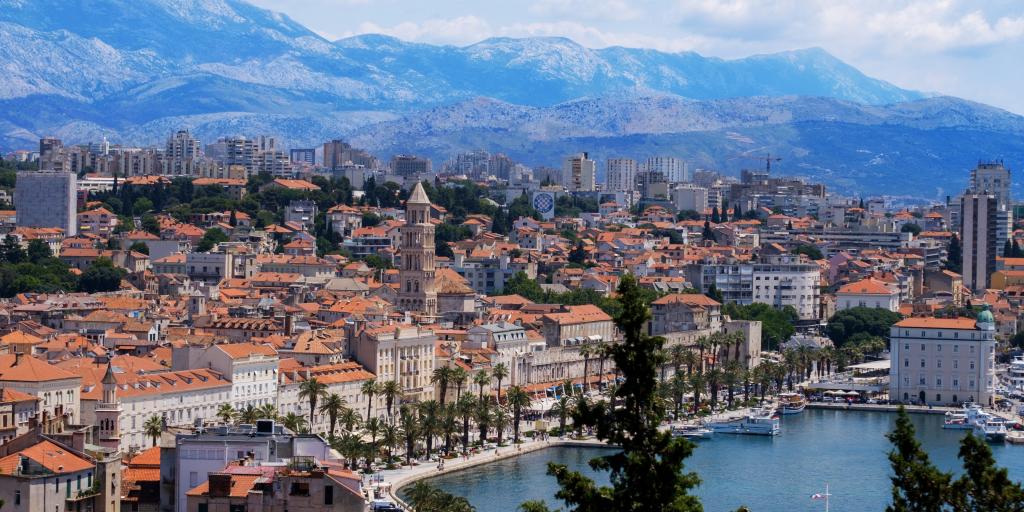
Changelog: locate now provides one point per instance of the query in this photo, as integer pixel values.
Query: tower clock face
(543, 203)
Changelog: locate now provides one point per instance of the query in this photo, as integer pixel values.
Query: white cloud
(610, 10)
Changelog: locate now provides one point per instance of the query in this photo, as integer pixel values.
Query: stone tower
(417, 249)
(108, 412)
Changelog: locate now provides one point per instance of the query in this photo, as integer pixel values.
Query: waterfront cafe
(870, 378)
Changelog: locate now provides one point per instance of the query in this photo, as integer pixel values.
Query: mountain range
(135, 70)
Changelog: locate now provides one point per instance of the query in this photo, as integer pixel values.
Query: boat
(993, 429)
(760, 421)
(1015, 437)
(965, 418)
(792, 403)
(692, 431)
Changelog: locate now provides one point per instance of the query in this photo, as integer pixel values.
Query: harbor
(844, 448)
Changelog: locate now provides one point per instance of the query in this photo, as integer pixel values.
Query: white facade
(943, 360)
(621, 174)
(579, 173)
(690, 197)
(674, 169)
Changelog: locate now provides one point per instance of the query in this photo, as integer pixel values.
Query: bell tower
(418, 293)
(108, 412)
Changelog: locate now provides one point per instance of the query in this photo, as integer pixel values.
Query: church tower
(108, 412)
(417, 273)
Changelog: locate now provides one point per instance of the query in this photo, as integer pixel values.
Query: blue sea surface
(846, 449)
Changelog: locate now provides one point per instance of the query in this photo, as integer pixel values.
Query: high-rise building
(303, 156)
(410, 165)
(621, 174)
(182, 146)
(979, 221)
(47, 199)
(690, 197)
(579, 173)
(992, 178)
(416, 277)
(338, 154)
(674, 169)
(52, 155)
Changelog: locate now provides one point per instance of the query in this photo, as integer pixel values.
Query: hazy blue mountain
(135, 70)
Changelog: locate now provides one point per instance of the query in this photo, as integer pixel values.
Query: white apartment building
(673, 169)
(777, 280)
(690, 197)
(403, 353)
(992, 178)
(943, 360)
(508, 339)
(252, 369)
(579, 173)
(621, 174)
(57, 390)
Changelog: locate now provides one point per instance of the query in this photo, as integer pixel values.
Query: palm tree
(421, 494)
(369, 389)
(586, 351)
(601, 351)
(483, 418)
(448, 426)
(679, 386)
(714, 378)
(500, 372)
(429, 412)
(677, 356)
(153, 427)
(466, 407)
(226, 413)
(517, 399)
(441, 377)
(349, 419)
(312, 390)
(459, 377)
(294, 422)
(248, 415)
(481, 378)
(373, 428)
(561, 408)
(333, 405)
(790, 362)
(390, 390)
(500, 421)
(390, 435)
(697, 383)
(731, 377)
(267, 412)
(763, 377)
(410, 429)
(349, 445)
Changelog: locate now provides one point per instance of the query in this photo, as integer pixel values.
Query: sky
(970, 49)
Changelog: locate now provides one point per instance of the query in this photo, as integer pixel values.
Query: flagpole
(826, 496)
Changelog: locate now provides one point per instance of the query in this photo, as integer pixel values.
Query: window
(17, 497)
(956, 383)
(972, 365)
(329, 495)
(939, 363)
(938, 382)
(203, 507)
(939, 348)
(956, 348)
(956, 363)
(921, 381)
(922, 363)
(922, 345)
(193, 478)
(906, 363)
(299, 489)
(906, 346)
(971, 384)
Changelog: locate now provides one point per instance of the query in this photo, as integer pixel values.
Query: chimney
(289, 325)
(17, 358)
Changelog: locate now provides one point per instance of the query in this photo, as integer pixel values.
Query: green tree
(917, 485)
(332, 406)
(983, 486)
(391, 391)
(11, 250)
(518, 399)
(38, 251)
(150, 224)
(856, 323)
(522, 285)
(776, 324)
(911, 227)
(212, 237)
(369, 388)
(153, 427)
(810, 251)
(500, 373)
(294, 422)
(226, 413)
(312, 390)
(648, 472)
(101, 276)
(954, 260)
(140, 247)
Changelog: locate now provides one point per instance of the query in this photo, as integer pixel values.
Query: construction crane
(767, 159)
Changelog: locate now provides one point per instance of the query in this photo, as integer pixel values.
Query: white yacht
(993, 429)
(1016, 373)
(761, 421)
(692, 431)
(965, 418)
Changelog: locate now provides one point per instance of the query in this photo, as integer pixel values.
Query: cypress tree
(983, 486)
(954, 258)
(917, 485)
(715, 217)
(648, 473)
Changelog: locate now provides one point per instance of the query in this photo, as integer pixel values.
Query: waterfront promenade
(404, 476)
